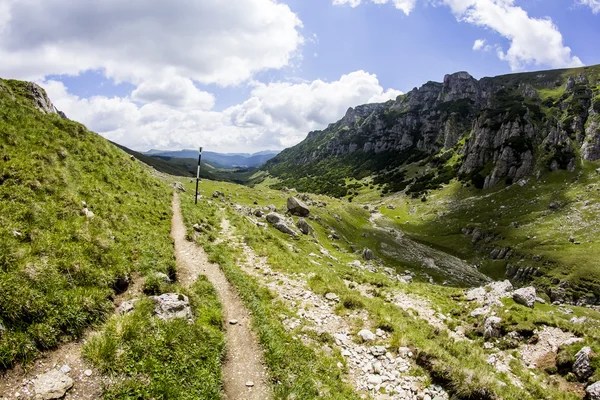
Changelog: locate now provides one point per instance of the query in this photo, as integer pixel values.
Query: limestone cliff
(502, 129)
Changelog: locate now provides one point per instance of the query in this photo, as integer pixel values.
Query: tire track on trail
(244, 359)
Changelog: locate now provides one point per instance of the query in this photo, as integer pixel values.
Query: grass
(155, 359)
(58, 269)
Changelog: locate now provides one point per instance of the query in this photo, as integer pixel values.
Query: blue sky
(260, 74)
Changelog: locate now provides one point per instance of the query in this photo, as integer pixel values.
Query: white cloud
(351, 3)
(173, 91)
(276, 115)
(405, 5)
(209, 41)
(478, 45)
(533, 41)
(593, 4)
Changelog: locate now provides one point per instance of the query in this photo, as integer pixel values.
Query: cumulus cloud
(173, 91)
(593, 4)
(405, 5)
(478, 45)
(533, 41)
(209, 41)
(276, 115)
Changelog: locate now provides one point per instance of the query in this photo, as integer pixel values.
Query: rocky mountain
(487, 131)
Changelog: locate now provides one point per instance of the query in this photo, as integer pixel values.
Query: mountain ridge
(494, 129)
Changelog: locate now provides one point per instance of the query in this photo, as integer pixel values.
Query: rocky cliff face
(503, 129)
(35, 95)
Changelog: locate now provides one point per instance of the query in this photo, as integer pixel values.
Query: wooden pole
(198, 174)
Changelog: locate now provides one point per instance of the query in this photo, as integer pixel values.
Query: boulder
(172, 305)
(296, 207)
(593, 391)
(491, 328)
(366, 335)
(279, 223)
(525, 296)
(582, 367)
(52, 385)
(367, 254)
(303, 226)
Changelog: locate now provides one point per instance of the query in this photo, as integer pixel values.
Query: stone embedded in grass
(492, 328)
(332, 296)
(303, 226)
(172, 305)
(127, 306)
(296, 207)
(52, 385)
(593, 391)
(278, 222)
(525, 296)
(367, 254)
(582, 367)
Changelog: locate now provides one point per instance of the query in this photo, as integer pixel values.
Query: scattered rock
(367, 335)
(581, 366)
(87, 372)
(296, 207)
(65, 369)
(303, 226)
(233, 322)
(127, 307)
(52, 385)
(179, 186)
(525, 296)
(332, 296)
(593, 391)
(367, 254)
(216, 194)
(249, 384)
(172, 305)
(278, 222)
(492, 328)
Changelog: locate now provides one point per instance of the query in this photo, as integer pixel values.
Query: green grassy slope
(461, 366)
(58, 268)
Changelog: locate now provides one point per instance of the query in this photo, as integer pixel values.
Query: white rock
(65, 369)
(367, 335)
(375, 380)
(52, 385)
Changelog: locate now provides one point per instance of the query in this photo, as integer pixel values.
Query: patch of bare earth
(244, 372)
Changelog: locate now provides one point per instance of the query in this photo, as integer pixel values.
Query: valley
(116, 285)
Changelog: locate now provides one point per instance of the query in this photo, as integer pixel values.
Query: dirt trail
(243, 362)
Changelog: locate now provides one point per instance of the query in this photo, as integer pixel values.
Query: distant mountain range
(218, 160)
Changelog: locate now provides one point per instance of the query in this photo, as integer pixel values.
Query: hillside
(449, 159)
(83, 227)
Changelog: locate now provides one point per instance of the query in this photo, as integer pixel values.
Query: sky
(252, 75)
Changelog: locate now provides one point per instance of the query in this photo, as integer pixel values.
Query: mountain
(485, 132)
(219, 160)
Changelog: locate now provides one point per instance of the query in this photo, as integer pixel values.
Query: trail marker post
(198, 174)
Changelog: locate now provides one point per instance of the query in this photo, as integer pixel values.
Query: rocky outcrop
(492, 328)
